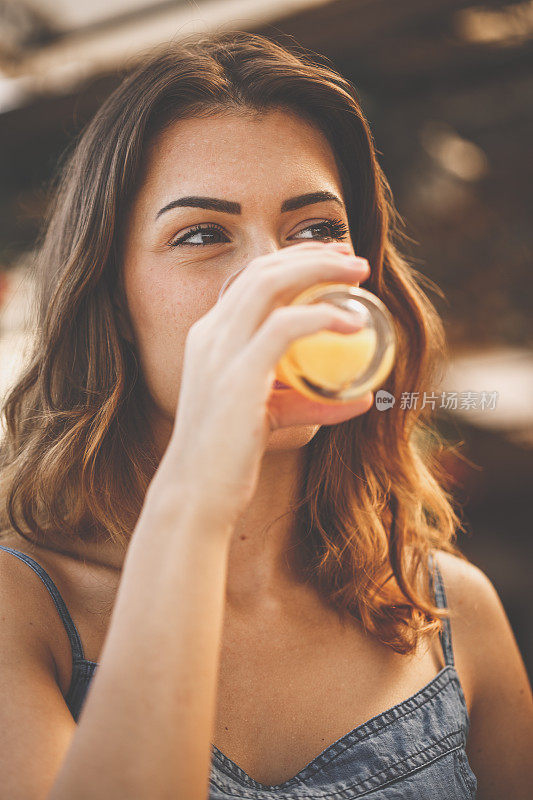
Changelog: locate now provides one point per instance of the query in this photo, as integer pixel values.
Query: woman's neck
(258, 561)
(259, 564)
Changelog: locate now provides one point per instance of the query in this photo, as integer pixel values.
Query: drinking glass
(333, 367)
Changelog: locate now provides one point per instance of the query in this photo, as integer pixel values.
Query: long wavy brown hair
(77, 455)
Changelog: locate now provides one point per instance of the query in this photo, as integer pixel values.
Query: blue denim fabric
(413, 751)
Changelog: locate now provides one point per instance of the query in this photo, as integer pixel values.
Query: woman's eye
(334, 229)
(194, 236)
(328, 229)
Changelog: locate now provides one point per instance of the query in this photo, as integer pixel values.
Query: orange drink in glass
(336, 367)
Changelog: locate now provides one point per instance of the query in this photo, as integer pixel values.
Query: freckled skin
(257, 162)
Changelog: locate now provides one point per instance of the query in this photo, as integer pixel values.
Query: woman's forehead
(240, 135)
(215, 155)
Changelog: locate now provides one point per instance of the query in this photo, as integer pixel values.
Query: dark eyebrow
(229, 207)
(308, 199)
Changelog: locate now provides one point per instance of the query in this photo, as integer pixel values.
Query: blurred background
(448, 88)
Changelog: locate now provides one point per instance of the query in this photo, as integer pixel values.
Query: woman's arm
(142, 734)
(500, 743)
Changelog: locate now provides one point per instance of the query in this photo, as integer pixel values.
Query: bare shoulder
(490, 665)
(32, 611)
(477, 615)
(22, 593)
(459, 573)
(34, 717)
(470, 594)
(481, 631)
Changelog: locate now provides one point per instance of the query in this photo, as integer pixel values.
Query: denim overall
(412, 751)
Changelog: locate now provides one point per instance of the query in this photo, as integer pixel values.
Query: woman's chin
(291, 437)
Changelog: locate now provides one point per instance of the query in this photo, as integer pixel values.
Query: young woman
(212, 587)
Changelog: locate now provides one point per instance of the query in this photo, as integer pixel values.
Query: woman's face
(176, 258)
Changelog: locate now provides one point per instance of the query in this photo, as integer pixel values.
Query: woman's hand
(227, 406)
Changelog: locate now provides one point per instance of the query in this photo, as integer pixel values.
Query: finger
(280, 284)
(288, 407)
(234, 284)
(337, 247)
(286, 324)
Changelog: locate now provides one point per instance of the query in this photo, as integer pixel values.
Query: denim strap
(437, 586)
